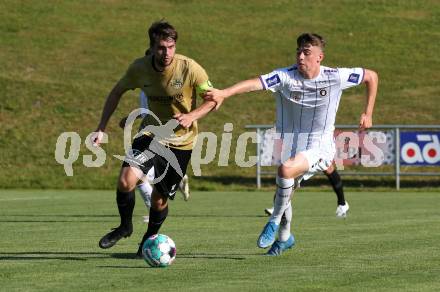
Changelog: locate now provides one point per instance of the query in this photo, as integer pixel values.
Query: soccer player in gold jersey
(171, 82)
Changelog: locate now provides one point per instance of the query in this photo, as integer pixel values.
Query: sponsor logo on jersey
(272, 81)
(166, 99)
(295, 95)
(177, 83)
(330, 70)
(353, 78)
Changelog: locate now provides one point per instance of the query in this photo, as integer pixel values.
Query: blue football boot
(267, 236)
(279, 246)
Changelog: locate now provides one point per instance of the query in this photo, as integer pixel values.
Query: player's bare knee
(126, 182)
(125, 186)
(286, 171)
(158, 201)
(160, 204)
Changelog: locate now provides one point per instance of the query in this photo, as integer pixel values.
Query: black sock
(125, 201)
(336, 182)
(155, 222)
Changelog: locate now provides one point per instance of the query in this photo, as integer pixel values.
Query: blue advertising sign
(420, 148)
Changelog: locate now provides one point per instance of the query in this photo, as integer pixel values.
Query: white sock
(282, 198)
(284, 231)
(145, 190)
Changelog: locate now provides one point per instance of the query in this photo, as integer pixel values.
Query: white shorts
(319, 158)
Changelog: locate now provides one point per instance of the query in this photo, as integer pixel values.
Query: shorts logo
(272, 81)
(137, 157)
(353, 78)
(163, 134)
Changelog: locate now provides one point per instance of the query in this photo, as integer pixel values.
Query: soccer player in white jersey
(307, 98)
(144, 185)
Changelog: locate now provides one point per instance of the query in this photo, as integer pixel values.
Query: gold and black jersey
(169, 92)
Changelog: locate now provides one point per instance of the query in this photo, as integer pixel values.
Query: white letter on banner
(431, 151)
(411, 153)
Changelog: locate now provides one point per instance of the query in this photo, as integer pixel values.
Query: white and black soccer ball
(159, 250)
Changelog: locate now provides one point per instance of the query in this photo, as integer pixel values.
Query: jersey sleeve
(274, 80)
(199, 76)
(351, 77)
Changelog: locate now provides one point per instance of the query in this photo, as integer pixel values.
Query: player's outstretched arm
(110, 105)
(185, 120)
(219, 95)
(371, 81)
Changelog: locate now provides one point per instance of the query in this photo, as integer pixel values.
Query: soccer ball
(159, 250)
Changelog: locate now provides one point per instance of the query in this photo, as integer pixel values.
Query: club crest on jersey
(354, 78)
(272, 81)
(323, 92)
(177, 83)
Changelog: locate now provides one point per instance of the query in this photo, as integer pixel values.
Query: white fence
(420, 147)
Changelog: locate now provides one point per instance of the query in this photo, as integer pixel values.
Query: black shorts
(169, 163)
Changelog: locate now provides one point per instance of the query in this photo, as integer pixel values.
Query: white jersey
(306, 108)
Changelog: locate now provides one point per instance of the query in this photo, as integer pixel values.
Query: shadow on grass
(239, 257)
(62, 216)
(84, 256)
(191, 256)
(217, 216)
(127, 267)
(47, 255)
(114, 216)
(131, 256)
(124, 256)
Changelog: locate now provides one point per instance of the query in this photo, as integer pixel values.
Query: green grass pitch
(389, 242)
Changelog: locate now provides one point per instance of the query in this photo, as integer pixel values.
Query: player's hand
(365, 122)
(185, 120)
(97, 138)
(215, 95)
(122, 122)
